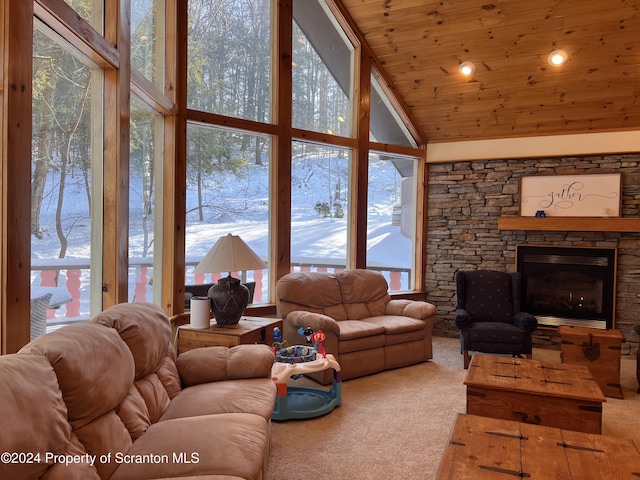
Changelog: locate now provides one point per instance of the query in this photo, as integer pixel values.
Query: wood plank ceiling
(514, 90)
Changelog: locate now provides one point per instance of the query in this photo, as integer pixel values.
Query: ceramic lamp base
(229, 298)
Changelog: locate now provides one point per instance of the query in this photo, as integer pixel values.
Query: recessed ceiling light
(557, 57)
(467, 68)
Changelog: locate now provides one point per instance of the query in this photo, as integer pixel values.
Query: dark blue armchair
(488, 314)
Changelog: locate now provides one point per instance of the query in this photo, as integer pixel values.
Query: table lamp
(229, 297)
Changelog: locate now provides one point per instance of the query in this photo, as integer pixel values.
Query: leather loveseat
(365, 329)
(108, 399)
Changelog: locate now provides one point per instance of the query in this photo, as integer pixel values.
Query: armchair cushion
(492, 333)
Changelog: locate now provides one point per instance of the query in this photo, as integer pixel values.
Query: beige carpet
(396, 424)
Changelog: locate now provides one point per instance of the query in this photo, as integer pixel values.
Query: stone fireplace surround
(467, 199)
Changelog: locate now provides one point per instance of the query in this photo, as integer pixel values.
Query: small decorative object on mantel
(540, 214)
(229, 297)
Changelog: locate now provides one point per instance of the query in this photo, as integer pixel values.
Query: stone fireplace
(568, 285)
(469, 200)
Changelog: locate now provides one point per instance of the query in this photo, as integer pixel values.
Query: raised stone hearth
(466, 201)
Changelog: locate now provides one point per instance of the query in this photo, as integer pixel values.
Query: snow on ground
(313, 239)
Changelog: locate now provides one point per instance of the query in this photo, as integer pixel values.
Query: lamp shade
(229, 254)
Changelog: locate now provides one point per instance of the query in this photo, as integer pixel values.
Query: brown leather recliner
(365, 329)
(108, 399)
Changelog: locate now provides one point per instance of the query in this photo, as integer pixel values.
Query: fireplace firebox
(568, 285)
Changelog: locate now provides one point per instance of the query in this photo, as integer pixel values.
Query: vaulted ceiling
(514, 91)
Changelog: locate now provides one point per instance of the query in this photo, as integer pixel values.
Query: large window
(152, 138)
(386, 125)
(92, 11)
(229, 58)
(392, 193)
(391, 218)
(320, 194)
(66, 166)
(322, 72)
(147, 39)
(145, 204)
(227, 192)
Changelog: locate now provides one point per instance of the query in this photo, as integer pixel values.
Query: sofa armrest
(411, 308)
(525, 321)
(212, 364)
(462, 318)
(317, 321)
(297, 319)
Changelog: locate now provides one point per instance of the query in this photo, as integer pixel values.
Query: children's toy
(296, 354)
(314, 337)
(317, 339)
(305, 402)
(278, 344)
(292, 363)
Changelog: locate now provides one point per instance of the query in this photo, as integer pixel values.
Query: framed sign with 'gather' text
(587, 195)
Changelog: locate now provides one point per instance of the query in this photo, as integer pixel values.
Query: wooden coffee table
(486, 448)
(533, 391)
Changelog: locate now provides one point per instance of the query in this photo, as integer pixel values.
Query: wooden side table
(597, 349)
(247, 331)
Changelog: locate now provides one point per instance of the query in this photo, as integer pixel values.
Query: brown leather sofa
(108, 399)
(365, 329)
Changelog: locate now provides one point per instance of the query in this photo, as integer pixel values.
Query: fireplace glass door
(568, 286)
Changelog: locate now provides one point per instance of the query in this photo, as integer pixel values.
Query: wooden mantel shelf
(570, 224)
